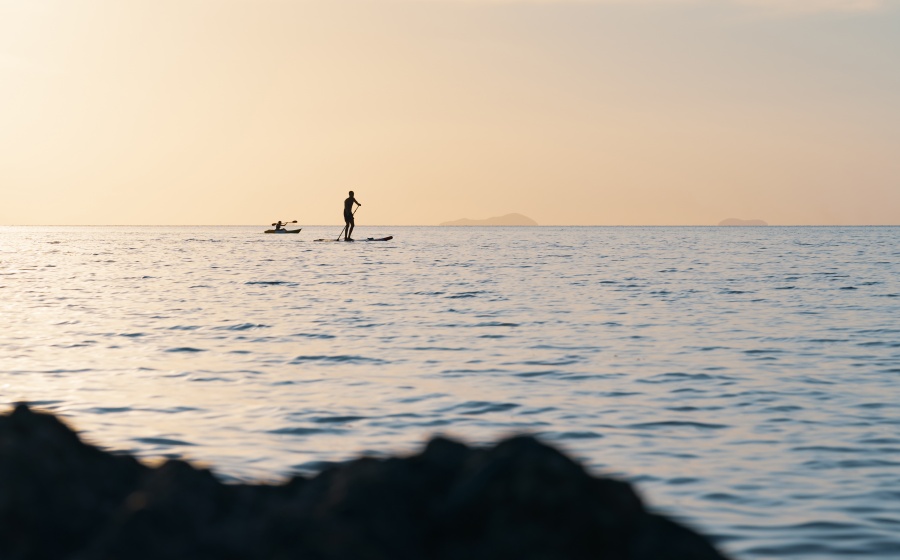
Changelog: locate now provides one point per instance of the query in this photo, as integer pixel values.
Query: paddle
(286, 223)
(345, 225)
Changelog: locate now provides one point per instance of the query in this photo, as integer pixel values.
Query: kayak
(388, 238)
(282, 230)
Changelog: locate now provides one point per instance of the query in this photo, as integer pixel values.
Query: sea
(745, 379)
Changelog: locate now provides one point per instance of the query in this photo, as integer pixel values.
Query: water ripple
(745, 378)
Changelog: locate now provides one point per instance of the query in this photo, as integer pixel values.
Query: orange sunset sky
(571, 112)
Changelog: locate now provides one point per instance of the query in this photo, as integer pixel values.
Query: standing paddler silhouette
(349, 222)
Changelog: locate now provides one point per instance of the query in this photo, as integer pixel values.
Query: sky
(571, 112)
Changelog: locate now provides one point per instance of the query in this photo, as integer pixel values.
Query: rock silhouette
(61, 498)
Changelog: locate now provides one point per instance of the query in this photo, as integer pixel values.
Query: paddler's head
(351, 193)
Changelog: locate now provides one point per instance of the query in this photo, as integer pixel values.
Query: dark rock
(55, 491)
(61, 498)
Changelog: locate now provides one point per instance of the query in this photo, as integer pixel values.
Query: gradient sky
(571, 112)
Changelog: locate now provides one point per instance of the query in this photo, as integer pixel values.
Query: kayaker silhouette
(279, 226)
(348, 215)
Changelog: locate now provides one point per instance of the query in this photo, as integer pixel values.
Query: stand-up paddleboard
(388, 238)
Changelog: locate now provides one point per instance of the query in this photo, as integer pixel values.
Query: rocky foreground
(61, 498)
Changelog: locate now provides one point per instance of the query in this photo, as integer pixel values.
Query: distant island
(507, 220)
(738, 222)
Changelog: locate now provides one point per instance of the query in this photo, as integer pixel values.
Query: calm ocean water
(746, 379)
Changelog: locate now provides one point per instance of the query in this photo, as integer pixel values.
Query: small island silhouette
(507, 220)
(739, 222)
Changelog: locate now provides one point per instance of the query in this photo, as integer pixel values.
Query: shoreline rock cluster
(61, 498)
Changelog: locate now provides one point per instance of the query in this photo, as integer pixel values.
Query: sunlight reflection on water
(745, 378)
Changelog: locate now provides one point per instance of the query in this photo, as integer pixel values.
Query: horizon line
(462, 226)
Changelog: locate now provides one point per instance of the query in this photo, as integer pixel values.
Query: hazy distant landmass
(738, 222)
(507, 220)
